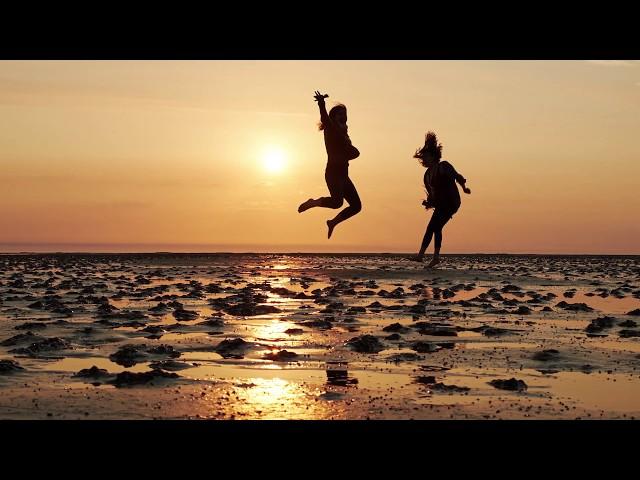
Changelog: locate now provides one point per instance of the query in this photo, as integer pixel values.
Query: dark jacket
(440, 182)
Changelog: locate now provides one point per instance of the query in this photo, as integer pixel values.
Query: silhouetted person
(339, 152)
(442, 193)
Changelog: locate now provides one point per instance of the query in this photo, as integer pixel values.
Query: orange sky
(170, 155)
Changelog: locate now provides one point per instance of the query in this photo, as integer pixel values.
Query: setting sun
(273, 160)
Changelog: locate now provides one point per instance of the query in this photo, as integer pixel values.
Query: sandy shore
(318, 337)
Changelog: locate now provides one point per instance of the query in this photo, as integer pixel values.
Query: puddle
(497, 345)
(74, 365)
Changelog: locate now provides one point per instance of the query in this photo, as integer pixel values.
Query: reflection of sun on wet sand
(318, 336)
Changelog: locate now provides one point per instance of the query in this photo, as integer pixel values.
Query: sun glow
(273, 160)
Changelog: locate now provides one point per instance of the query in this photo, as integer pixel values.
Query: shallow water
(457, 301)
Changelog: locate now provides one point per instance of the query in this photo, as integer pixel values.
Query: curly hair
(431, 146)
(332, 113)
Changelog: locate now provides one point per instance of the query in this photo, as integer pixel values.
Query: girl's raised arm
(324, 116)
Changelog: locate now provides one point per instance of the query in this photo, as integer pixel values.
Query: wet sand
(318, 337)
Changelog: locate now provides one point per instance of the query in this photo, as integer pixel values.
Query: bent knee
(335, 202)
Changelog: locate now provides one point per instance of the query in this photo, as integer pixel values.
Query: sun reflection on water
(277, 398)
(281, 266)
(272, 330)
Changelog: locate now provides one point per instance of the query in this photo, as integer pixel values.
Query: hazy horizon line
(293, 252)
(212, 248)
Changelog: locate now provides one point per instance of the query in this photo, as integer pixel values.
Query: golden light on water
(282, 266)
(271, 329)
(276, 398)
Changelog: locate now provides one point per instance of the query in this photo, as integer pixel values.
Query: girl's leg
(428, 235)
(444, 218)
(336, 184)
(438, 219)
(326, 202)
(355, 206)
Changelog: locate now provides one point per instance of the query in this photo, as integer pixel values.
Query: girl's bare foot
(305, 205)
(434, 261)
(415, 258)
(331, 226)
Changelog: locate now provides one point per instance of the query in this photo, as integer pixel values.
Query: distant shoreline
(305, 254)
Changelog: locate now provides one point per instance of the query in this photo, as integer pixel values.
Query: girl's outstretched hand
(319, 97)
(466, 190)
